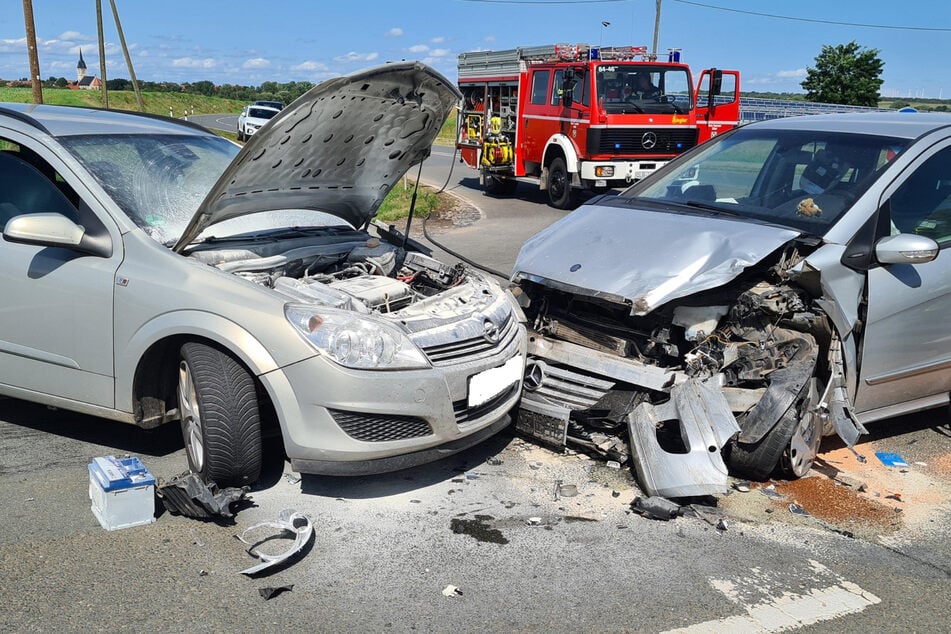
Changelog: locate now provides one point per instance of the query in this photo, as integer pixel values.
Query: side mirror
(568, 87)
(53, 230)
(906, 248)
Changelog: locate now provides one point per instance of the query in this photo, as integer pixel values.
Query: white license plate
(489, 383)
(639, 174)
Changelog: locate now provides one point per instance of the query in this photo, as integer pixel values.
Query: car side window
(28, 185)
(922, 204)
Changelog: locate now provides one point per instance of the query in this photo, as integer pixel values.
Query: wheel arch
(561, 145)
(146, 371)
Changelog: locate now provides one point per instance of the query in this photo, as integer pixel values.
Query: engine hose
(459, 256)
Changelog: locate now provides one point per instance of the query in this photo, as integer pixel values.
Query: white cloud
(438, 40)
(188, 62)
(439, 52)
(394, 32)
(75, 35)
(791, 74)
(489, 38)
(309, 65)
(418, 48)
(256, 62)
(356, 57)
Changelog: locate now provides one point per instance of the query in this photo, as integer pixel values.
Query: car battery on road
(122, 492)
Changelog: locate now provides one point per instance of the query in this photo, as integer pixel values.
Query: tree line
(269, 90)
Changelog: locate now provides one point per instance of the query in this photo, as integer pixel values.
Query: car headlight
(354, 341)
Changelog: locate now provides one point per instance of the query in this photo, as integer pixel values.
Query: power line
(789, 17)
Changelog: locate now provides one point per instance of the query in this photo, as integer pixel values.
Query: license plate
(490, 383)
(639, 174)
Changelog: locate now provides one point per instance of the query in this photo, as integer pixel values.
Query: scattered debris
(613, 464)
(290, 521)
(271, 592)
(568, 490)
(615, 494)
(534, 521)
(203, 573)
(472, 476)
(891, 459)
(495, 462)
(187, 494)
(710, 514)
(656, 507)
(771, 492)
(857, 455)
(743, 486)
(722, 525)
(451, 591)
(795, 509)
(292, 478)
(894, 496)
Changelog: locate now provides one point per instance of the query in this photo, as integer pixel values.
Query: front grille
(380, 427)
(566, 388)
(467, 349)
(617, 141)
(464, 413)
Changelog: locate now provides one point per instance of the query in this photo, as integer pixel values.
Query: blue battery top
(113, 473)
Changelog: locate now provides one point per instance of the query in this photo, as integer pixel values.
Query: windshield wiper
(714, 208)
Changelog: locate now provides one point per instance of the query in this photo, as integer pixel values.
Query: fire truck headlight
(604, 171)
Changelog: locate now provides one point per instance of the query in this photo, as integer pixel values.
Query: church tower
(80, 67)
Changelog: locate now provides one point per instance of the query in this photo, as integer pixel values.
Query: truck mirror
(568, 87)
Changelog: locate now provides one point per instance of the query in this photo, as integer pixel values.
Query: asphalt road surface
(526, 552)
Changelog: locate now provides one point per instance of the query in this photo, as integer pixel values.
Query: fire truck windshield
(643, 88)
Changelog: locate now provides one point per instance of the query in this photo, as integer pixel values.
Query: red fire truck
(576, 116)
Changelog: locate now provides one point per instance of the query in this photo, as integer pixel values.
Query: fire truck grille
(617, 141)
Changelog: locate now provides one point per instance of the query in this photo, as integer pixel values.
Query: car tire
(221, 425)
(789, 448)
(241, 136)
(559, 184)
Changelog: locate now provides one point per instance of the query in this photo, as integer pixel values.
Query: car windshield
(640, 88)
(159, 181)
(804, 179)
(261, 113)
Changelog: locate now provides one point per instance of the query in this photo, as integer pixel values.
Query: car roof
(907, 125)
(61, 121)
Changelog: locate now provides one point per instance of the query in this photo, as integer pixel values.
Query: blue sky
(247, 43)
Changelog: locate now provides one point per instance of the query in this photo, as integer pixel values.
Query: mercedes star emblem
(490, 332)
(649, 140)
(534, 376)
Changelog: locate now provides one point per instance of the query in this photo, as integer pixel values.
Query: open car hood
(339, 148)
(644, 258)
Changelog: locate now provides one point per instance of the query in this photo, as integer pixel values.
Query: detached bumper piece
(188, 495)
(706, 425)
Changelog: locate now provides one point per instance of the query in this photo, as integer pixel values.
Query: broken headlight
(353, 341)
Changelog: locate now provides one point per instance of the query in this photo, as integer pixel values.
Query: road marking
(784, 610)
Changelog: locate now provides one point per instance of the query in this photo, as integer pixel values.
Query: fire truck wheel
(559, 185)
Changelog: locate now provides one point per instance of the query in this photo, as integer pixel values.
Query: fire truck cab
(574, 116)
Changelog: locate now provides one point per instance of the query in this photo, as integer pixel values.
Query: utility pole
(102, 55)
(128, 59)
(31, 47)
(656, 31)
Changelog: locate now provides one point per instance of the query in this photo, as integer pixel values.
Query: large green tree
(845, 74)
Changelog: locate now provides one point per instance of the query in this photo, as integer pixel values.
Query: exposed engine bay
(752, 347)
(346, 269)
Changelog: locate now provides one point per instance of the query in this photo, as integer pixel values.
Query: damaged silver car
(154, 272)
(787, 280)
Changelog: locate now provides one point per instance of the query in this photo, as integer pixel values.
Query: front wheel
(221, 425)
(789, 448)
(241, 136)
(559, 184)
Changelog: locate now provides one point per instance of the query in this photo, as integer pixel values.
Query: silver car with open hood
(787, 280)
(154, 272)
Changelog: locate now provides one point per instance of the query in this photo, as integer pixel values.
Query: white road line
(788, 610)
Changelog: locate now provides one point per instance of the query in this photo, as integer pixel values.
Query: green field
(155, 102)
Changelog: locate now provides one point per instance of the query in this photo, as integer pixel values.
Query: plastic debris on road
(891, 459)
(451, 591)
(187, 494)
(289, 521)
